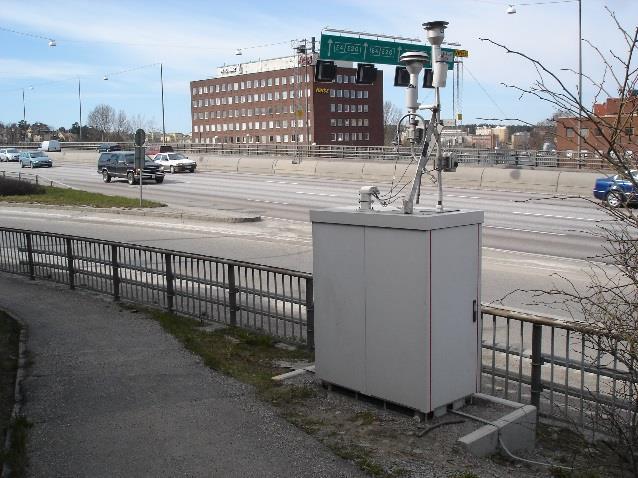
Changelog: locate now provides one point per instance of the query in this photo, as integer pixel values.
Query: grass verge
(15, 457)
(69, 197)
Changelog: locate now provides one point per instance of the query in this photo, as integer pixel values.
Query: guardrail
(483, 157)
(558, 366)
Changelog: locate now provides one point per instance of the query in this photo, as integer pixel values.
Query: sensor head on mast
(435, 31)
(414, 61)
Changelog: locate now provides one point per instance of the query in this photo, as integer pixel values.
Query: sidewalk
(109, 393)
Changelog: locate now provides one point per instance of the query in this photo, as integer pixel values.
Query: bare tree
(391, 116)
(102, 118)
(609, 304)
(122, 127)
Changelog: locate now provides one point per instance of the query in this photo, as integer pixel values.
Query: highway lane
(523, 222)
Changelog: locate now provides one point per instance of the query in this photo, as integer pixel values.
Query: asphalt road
(527, 237)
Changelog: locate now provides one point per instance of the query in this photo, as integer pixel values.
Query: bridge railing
(568, 370)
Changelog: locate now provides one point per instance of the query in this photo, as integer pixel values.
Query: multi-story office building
(278, 101)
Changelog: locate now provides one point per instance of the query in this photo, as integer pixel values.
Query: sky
(127, 40)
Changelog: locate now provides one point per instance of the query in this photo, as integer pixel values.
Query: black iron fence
(274, 301)
(561, 367)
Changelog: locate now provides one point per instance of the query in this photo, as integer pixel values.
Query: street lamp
(511, 9)
(80, 101)
(24, 105)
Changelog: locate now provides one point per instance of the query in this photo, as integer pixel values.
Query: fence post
(170, 290)
(69, 263)
(30, 257)
(232, 295)
(36, 179)
(310, 314)
(537, 363)
(115, 271)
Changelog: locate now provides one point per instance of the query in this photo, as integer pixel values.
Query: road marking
(536, 214)
(526, 230)
(282, 182)
(267, 202)
(295, 221)
(316, 194)
(461, 196)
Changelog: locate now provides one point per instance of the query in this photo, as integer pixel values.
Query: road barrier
(564, 368)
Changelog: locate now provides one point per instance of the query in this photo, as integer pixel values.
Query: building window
(263, 83)
(569, 132)
(346, 108)
(339, 107)
(365, 108)
(366, 136)
(346, 93)
(284, 95)
(340, 137)
(340, 80)
(346, 136)
(200, 90)
(339, 93)
(333, 122)
(236, 86)
(269, 81)
(629, 131)
(194, 103)
(346, 122)
(333, 136)
(365, 94)
(249, 84)
(339, 122)
(365, 121)
(353, 79)
(284, 80)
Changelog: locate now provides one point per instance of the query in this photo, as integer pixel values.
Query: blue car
(34, 159)
(616, 190)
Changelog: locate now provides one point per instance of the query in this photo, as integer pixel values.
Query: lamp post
(80, 102)
(162, 85)
(512, 10)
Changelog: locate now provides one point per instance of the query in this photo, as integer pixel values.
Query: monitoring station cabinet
(397, 303)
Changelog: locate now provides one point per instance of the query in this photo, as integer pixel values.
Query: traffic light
(401, 76)
(366, 74)
(325, 71)
(428, 77)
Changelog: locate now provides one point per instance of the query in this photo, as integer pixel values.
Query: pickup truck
(616, 190)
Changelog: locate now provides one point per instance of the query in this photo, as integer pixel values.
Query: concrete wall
(381, 172)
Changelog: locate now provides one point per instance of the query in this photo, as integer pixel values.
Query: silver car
(175, 162)
(9, 154)
(34, 159)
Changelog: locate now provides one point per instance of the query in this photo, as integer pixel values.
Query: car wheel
(192, 170)
(130, 178)
(615, 199)
(159, 180)
(106, 177)
(172, 169)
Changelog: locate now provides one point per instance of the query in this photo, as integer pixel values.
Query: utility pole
(580, 81)
(80, 101)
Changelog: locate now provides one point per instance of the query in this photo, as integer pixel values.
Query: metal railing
(568, 370)
(560, 367)
(480, 157)
(278, 302)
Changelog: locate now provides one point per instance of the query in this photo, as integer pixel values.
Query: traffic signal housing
(325, 71)
(401, 76)
(366, 74)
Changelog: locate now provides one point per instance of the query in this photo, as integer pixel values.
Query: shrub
(13, 187)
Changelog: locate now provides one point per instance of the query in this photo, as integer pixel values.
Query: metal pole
(580, 80)
(80, 101)
(163, 123)
(24, 108)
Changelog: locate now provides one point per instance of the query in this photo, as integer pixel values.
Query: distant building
(593, 132)
(520, 140)
(278, 101)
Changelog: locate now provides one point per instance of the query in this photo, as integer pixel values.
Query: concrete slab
(515, 430)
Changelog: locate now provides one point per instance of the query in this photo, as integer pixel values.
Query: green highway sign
(368, 50)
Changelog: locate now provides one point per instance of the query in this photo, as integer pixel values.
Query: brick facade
(287, 106)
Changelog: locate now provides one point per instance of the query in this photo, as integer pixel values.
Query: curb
(18, 396)
(153, 212)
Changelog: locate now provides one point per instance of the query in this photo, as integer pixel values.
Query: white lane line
(555, 216)
(282, 182)
(267, 202)
(316, 194)
(462, 196)
(526, 230)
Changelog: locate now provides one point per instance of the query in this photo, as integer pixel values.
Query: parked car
(51, 145)
(153, 149)
(34, 159)
(121, 164)
(175, 162)
(616, 190)
(107, 147)
(9, 154)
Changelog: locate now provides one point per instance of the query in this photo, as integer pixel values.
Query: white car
(175, 162)
(9, 154)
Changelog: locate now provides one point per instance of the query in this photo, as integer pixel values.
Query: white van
(53, 145)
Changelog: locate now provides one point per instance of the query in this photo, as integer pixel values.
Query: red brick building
(593, 132)
(278, 101)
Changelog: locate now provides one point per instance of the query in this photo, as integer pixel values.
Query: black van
(121, 164)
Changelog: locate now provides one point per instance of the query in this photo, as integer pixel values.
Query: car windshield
(37, 154)
(176, 156)
(12, 150)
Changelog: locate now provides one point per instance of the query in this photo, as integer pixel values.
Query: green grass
(9, 346)
(16, 191)
(74, 197)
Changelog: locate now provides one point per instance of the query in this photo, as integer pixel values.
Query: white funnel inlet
(436, 34)
(413, 61)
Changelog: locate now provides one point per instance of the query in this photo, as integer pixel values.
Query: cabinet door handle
(474, 310)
